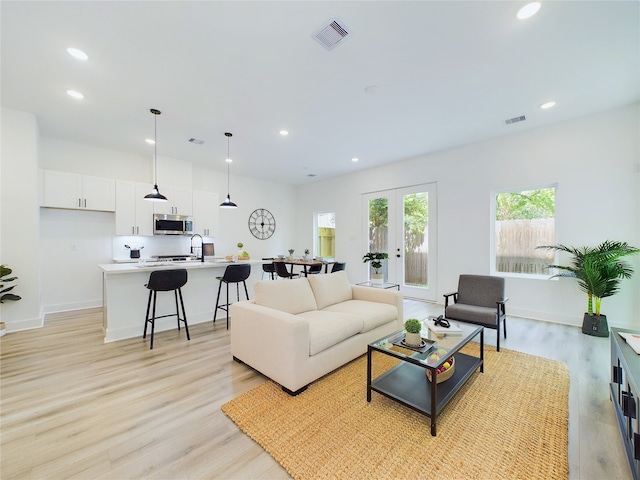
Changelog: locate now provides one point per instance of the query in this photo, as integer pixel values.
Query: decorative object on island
(262, 223)
(598, 271)
(227, 202)
(4, 295)
(133, 252)
(242, 254)
(444, 371)
(375, 258)
(412, 329)
(155, 195)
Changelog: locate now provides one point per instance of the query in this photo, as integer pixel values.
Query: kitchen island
(125, 295)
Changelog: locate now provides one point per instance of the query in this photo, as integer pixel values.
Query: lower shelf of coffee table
(408, 384)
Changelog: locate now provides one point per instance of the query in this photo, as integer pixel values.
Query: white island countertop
(166, 265)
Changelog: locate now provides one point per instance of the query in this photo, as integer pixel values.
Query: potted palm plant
(375, 259)
(599, 272)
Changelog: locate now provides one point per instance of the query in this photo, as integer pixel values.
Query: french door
(403, 223)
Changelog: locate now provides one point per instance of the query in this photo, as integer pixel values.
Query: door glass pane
(379, 229)
(326, 235)
(416, 239)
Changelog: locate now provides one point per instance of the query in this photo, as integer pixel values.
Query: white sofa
(295, 331)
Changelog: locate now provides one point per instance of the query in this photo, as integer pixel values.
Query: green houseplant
(599, 271)
(412, 328)
(375, 259)
(4, 295)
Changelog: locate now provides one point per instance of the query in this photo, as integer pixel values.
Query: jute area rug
(510, 422)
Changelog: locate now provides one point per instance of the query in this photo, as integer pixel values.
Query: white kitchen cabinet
(180, 201)
(134, 214)
(79, 192)
(205, 213)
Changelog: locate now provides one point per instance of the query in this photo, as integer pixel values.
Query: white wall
(595, 162)
(19, 214)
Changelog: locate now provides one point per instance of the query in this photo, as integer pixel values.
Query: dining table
(305, 264)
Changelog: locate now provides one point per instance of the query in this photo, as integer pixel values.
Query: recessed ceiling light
(228, 160)
(75, 94)
(529, 10)
(546, 105)
(150, 141)
(284, 133)
(77, 54)
(355, 159)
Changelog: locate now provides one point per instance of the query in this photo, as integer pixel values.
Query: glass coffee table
(407, 381)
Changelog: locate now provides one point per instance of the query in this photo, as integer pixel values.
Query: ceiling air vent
(515, 120)
(196, 141)
(331, 33)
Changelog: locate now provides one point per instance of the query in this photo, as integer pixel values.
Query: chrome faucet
(201, 246)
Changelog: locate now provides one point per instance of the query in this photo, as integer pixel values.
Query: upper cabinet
(180, 201)
(205, 213)
(134, 214)
(79, 192)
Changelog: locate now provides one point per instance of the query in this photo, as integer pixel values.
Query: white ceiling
(440, 74)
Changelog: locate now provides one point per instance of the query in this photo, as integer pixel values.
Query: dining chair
(338, 266)
(281, 270)
(269, 269)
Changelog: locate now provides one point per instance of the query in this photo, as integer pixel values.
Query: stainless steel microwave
(164, 224)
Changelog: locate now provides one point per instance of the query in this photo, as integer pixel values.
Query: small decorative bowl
(446, 375)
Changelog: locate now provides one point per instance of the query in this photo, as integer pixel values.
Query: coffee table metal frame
(407, 382)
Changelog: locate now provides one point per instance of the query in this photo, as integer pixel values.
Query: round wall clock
(262, 223)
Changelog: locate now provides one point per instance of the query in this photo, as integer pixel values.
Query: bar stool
(166, 281)
(232, 274)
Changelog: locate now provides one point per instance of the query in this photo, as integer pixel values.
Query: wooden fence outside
(415, 262)
(516, 242)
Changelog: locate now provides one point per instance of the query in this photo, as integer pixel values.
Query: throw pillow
(331, 288)
(291, 296)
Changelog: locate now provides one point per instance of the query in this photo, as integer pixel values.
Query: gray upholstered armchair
(480, 299)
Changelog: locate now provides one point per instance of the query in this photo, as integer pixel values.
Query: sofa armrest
(271, 341)
(380, 295)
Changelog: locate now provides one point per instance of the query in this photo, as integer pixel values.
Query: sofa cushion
(327, 329)
(372, 314)
(330, 289)
(291, 296)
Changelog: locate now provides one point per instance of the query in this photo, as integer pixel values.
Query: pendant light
(228, 203)
(155, 195)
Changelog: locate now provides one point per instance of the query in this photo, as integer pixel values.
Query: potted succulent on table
(375, 258)
(412, 329)
(599, 272)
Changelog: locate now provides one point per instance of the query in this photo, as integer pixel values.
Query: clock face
(262, 223)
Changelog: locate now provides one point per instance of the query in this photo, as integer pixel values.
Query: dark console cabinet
(625, 375)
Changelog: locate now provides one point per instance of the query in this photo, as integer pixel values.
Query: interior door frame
(395, 239)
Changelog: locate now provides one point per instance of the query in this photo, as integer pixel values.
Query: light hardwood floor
(74, 407)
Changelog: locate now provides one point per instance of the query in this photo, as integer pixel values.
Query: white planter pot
(377, 278)
(413, 339)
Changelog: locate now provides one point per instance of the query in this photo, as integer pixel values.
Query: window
(325, 235)
(524, 219)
